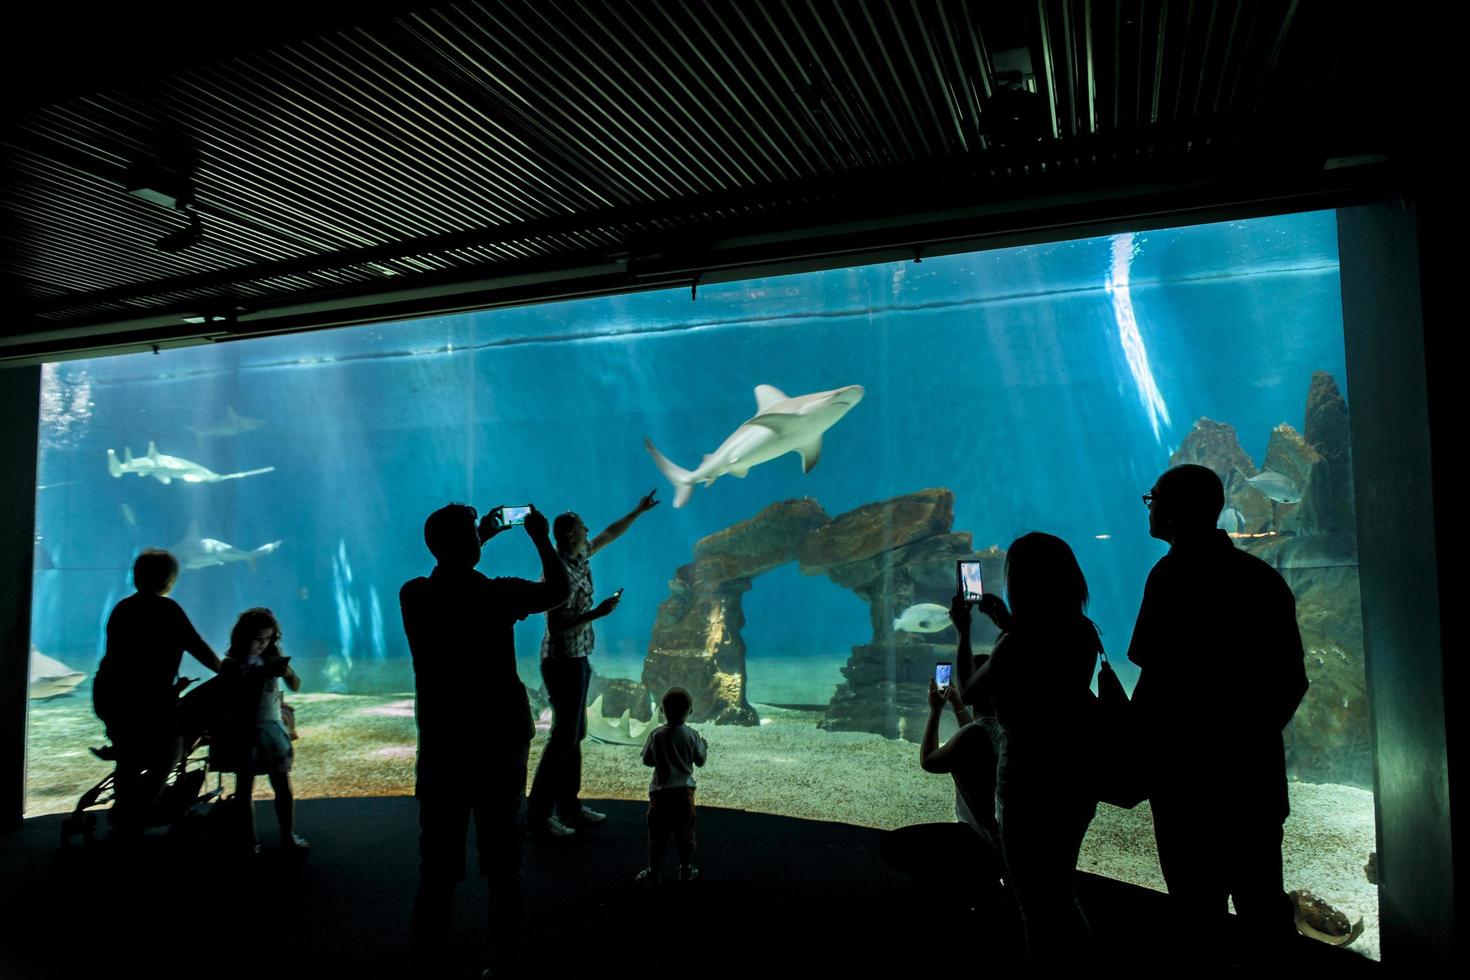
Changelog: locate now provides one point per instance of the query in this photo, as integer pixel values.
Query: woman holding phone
(1038, 679)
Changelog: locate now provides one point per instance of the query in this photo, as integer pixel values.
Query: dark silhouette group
(1206, 729)
(1204, 740)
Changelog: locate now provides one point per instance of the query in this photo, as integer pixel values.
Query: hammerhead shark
(781, 424)
(231, 425)
(166, 469)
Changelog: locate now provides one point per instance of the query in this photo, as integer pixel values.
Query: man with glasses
(556, 808)
(1221, 674)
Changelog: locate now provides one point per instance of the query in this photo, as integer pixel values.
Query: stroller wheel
(77, 824)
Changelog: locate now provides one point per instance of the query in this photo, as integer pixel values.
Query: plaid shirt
(562, 640)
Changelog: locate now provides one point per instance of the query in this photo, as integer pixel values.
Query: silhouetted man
(564, 668)
(1221, 676)
(136, 690)
(474, 723)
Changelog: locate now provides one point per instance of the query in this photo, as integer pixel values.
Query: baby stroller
(184, 802)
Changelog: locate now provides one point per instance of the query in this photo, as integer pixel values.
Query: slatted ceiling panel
(453, 140)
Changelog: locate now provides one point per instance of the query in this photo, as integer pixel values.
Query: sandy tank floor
(360, 745)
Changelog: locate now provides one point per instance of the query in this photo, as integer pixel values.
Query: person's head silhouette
(155, 571)
(677, 704)
(452, 534)
(1044, 583)
(569, 532)
(1186, 500)
(256, 633)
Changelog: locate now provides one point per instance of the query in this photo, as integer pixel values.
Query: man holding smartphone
(556, 808)
(474, 723)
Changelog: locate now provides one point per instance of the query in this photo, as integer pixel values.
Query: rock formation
(893, 554)
(1313, 545)
(696, 640)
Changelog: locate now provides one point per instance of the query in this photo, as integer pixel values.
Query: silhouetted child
(673, 750)
(252, 739)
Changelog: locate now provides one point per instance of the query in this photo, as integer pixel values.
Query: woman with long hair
(253, 741)
(1038, 679)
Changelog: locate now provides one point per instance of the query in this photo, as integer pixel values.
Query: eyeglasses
(1148, 499)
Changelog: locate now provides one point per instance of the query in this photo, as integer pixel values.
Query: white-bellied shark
(781, 424)
(195, 552)
(166, 469)
(231, 425)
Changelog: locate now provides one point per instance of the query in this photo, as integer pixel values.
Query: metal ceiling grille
(486, 139)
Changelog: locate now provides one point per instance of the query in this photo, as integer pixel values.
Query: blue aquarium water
(1045, 386)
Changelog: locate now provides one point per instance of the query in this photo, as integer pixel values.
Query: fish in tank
(857, 431)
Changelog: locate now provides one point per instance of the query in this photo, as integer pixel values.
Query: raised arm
(615, 530)
(968, 667)
(934, 757)
(964, 655)
(554, 587)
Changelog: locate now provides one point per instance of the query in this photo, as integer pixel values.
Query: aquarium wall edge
(20, 407)
(1410, 701)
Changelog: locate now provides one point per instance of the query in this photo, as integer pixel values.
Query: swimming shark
(50, 678)
(195, 552)
(781, 424)
(231, 425)
(166, 469)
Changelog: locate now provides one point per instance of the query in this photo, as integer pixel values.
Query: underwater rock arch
(892, 553)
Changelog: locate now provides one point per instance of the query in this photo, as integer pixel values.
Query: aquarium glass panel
(824, 447)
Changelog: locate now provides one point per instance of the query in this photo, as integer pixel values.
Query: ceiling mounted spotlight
(177, 241)
(160, 185)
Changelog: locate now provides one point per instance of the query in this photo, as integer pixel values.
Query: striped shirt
(562, 640)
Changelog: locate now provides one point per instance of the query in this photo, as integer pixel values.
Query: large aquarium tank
(824, 447)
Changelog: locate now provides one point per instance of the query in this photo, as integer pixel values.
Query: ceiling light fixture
(188, 237)
(158, 185)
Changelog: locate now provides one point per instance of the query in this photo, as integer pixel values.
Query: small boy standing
(673, 750)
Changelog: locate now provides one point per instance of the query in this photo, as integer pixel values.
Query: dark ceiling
(341, 166)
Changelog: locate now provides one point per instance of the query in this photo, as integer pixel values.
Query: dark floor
(777, 898)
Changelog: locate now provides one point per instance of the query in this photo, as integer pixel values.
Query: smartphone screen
(970, 587)
(942, 674)
(512, 516)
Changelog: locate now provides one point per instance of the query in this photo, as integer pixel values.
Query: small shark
(781, 424)
(50, 678)
(231, 425)
(195, 552)
(166, 469)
